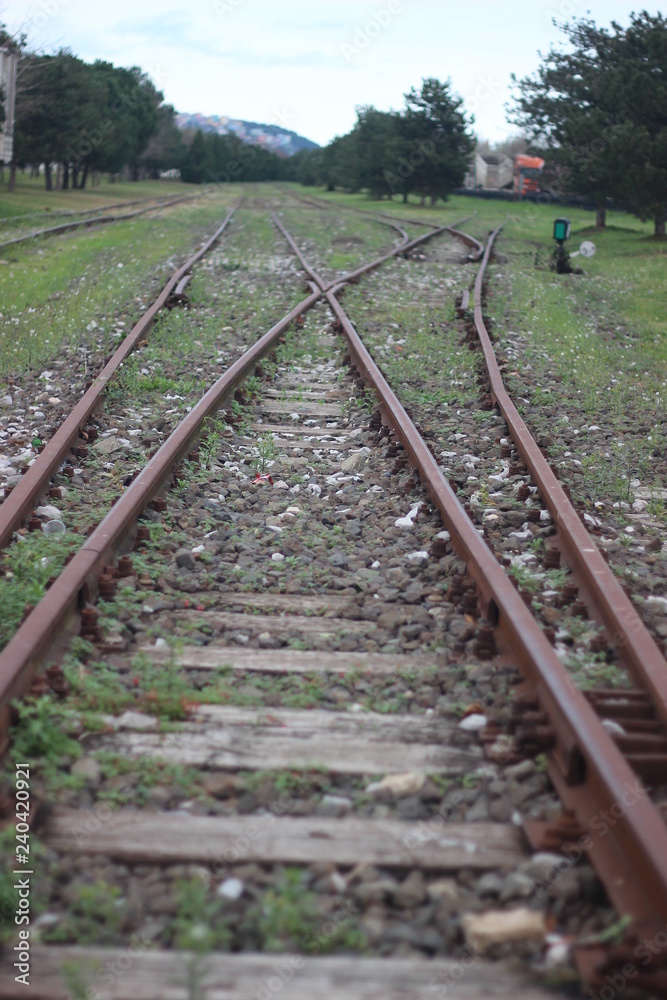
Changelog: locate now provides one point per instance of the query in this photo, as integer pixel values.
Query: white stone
(472, 723)
(613, 728)
(398, 785)
(495, 927)
(231, 888)
(136, 720)
(278, 557)
(50, 512)
(420, 556)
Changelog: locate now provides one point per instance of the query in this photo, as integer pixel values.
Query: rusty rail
(625, 627)
(19, 503)
(30, 644)
(62, 213)
(94, 220)
(474, 244)
(590, 773)
(32, 640)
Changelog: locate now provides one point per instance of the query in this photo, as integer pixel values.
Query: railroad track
(97, 220)
(332, 585)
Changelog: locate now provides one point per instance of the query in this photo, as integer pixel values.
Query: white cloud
(262, 60)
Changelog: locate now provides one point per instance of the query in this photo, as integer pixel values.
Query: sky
(306, 65)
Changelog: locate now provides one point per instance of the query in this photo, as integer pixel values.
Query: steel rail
(475, 244)
(93, 220)
(352, 276)
(589, 770)
(16, 507)
(32, 640)
(61, 213)
(627, 630)
(470, 241)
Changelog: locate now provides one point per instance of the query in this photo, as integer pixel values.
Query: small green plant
(288, 917)
(95, 916)
(42, 730)
(199, 924)
(265, 447)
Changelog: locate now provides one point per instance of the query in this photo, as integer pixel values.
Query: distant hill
(272, 137)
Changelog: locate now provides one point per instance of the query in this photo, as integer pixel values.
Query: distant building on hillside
(271, 137)
(8, 64)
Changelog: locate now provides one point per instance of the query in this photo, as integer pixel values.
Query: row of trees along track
(89, 118)
(598, 113)
(423, 150)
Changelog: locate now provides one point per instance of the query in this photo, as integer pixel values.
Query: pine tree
(599, 111)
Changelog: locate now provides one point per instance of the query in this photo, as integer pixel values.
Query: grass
(90, 285)
(96, 915)
(30, 196)
(25, 569)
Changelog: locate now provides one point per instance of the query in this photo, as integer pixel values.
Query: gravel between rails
(427, 359)
(325, 527)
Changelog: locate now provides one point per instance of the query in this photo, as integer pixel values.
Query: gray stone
(517, 885)
(489, 884)
(525, 769)
(353, 462)
(410, 893)
(334, 805)
(88, 768)
(412, 808)
(338, 559)
(544, 867)
(478, 811)
(136, 721)
(185, 559)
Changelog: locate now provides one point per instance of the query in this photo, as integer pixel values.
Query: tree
(165, 149)
(639, 90)
(374, 142)
(435, 141)
(197, 163)
(600, 111)
(565, 108)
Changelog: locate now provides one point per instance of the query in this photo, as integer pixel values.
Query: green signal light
(562, 230)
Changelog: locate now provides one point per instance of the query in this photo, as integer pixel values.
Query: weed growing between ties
(25, 570)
